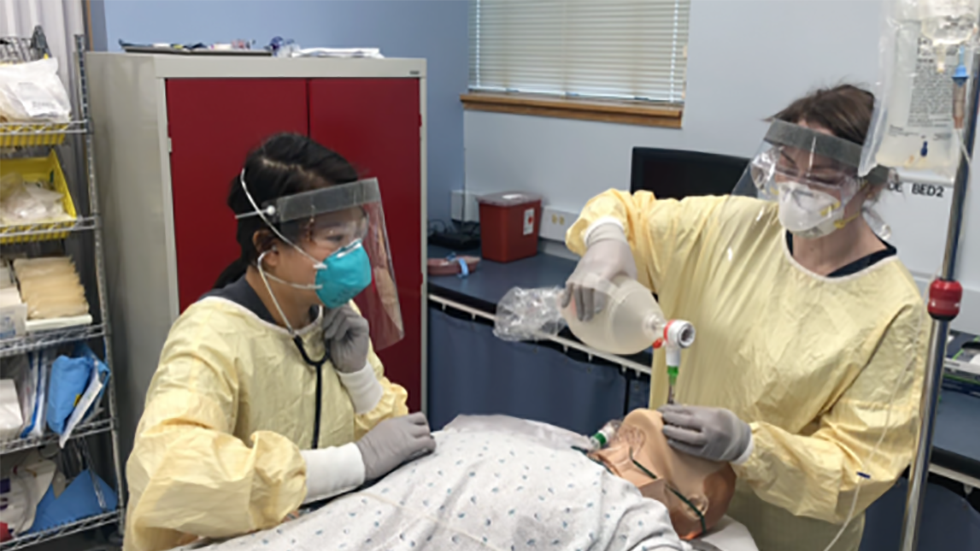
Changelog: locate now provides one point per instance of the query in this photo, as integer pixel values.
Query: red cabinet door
(213, 124)
(374, 123)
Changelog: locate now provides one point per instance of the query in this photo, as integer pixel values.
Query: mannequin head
(695, 491)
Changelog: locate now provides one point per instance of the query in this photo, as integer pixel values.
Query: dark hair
(284, 164)
(844, 109)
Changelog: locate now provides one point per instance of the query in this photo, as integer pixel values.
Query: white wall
(746, 60)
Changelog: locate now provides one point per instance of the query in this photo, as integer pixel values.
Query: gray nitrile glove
(607, 255)
(393, 442)
(348, 335)
(712, 433)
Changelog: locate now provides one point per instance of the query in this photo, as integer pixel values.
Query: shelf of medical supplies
(43, 230)
(106, 426)
(81, 431)
(30, 134)
(46, 339)
(61, 531)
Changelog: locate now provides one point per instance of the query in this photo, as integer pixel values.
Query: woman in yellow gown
(807, 371)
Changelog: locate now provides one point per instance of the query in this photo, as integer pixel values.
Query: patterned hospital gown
(482, 491)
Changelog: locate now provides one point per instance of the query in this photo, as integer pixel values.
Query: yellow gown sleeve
(666, 235)
(187, 473)
(392, 402)
(816, 476)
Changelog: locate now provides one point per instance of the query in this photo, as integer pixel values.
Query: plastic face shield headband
(343, 225)
(813, 176)
(327, 217)
(795, 153)
(627, 440)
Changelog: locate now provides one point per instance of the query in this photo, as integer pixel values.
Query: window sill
(620, 112)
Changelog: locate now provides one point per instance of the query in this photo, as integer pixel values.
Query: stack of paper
(374, 53)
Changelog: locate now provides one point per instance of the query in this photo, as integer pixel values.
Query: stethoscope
(317, 365)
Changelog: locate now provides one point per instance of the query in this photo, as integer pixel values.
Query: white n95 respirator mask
(808, 212)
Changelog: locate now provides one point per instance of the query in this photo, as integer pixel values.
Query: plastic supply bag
(529, 314)
(11, 418)
(913, 126)
(33, 92)
(13, 313)
(18, 369)
(38, 373)
(23, 489)
(51, 288)
(31, 204)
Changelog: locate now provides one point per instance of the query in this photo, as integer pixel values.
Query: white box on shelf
(13, 321)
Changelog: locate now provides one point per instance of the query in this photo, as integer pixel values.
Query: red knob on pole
(944, 299)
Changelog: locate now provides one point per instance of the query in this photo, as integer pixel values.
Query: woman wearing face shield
(811, 333)
(268, 394)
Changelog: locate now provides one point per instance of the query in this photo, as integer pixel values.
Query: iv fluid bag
(912, 126)
(919, 131)
(630, 322)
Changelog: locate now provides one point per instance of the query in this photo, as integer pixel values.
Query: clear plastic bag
(29, 202)
(913, 124)
(33, 92)
(529, 314)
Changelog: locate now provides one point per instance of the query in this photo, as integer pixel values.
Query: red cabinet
(213, 124)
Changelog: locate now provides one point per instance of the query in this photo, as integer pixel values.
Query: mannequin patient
(695, 491)
(503, 483)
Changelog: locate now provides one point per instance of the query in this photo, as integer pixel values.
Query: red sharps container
(509, 225)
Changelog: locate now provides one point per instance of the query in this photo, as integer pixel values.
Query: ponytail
(231, 274)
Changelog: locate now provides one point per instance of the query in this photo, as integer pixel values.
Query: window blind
(615, 49)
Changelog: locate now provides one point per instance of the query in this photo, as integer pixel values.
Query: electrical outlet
(555, 222)
(472, 210)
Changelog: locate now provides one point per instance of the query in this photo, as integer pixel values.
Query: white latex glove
(607, 255)
(393, 442)
(348, 335)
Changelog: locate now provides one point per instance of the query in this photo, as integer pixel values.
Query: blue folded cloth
(69, 379)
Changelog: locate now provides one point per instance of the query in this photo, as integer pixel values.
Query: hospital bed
(484, 490)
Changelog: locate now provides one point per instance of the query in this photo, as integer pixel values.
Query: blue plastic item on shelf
(77, 502)
(69, 379)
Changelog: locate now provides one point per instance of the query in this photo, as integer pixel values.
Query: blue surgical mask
(343, 275)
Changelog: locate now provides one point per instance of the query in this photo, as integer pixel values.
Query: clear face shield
(812, 175)
(341, 229)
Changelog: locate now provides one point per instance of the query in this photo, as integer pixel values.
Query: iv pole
(944, 305)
